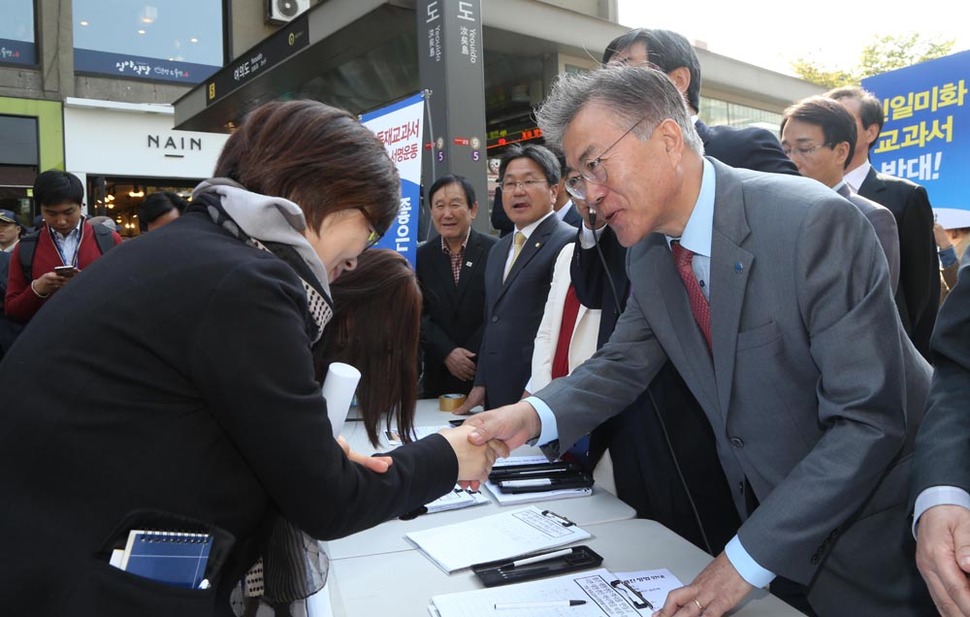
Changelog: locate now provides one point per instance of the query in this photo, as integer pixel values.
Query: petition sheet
(599, 592)
(653, 585)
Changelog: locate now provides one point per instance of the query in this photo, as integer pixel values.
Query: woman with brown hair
(375, 328)
(171, 386)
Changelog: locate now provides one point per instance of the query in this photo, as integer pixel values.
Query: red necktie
(570, 312)
(698, 303)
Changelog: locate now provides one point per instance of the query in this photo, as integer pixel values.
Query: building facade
(75, 75)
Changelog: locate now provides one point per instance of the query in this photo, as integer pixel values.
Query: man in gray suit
(919, 279)
(818, 134)
(941, 478)
(780, 317)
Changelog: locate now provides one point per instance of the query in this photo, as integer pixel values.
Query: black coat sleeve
(253, 366)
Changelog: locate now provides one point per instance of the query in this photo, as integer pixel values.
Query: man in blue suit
(518, 275)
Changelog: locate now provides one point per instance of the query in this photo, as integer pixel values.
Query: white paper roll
(338, 389)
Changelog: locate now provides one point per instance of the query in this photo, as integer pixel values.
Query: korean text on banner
(400, 127)
(924, 138)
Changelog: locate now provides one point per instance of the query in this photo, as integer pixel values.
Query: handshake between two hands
(478, 442)
(488, 436)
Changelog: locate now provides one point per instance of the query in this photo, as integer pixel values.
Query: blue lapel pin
(738, 267)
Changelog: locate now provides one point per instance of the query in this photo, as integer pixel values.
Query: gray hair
(632, 93)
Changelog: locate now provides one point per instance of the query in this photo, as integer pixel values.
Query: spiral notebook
(176, 558)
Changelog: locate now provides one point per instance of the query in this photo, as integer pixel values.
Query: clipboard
(593, 590)
(502, 536)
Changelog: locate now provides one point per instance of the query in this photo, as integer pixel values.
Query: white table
(600, 507)
(402, 583)
(377, 572)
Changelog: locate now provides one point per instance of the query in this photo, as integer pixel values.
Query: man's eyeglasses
(593, 170)
(803, 151)
(374, 236)
(508, 186)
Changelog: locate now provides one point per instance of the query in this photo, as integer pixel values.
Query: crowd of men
(35, 265)
(764, 338)
(762, 315)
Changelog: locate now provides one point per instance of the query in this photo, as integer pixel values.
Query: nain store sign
(174, 146)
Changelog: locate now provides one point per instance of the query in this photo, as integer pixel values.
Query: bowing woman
(171, 386)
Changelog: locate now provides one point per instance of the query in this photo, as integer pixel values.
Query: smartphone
(66, 271)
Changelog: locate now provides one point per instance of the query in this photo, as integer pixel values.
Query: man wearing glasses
(919, 277)
(662, 446)
(518, 275)
(818, 134)
(771, 296)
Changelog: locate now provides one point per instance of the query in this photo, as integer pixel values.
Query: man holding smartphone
(45, 261)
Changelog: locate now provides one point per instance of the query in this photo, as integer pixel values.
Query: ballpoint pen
(504, 606)
(537, 558)
(522, 483)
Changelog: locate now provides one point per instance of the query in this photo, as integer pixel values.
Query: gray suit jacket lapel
(730, 266)
(673, 322)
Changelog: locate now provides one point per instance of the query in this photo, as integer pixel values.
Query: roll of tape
(451, 402)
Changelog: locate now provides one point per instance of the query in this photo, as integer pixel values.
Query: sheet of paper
(499, 536)
(599, 588)
(458, 498)
(654, 585)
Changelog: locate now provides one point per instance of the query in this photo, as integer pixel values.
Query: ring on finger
(700, 606)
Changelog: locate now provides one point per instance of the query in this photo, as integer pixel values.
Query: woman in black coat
(171, 386)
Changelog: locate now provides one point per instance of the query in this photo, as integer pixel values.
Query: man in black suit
(518, 275)
(451, 270)
(918, 296)
(941, 471)
(499, 219)
(663, 450)
(672, 53)
(564, 207)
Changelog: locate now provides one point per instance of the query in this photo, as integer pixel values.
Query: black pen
(547, 604)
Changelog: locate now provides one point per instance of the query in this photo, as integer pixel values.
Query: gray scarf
(270, 219)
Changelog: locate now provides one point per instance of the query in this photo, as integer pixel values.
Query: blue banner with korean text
(926, 137)
(400, 127)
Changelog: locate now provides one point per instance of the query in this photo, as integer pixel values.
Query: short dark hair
(831, 116)
(870, 108)
(560, 155)
(317, 156)
(634, 95)
(666, 50)
(157, 204)
(55, 187)
(382, 344)
(542, 156)
(447, 179)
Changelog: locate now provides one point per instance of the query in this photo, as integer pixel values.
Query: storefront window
(17, 42)
(171, 40)
(119, 198)
(718, 112)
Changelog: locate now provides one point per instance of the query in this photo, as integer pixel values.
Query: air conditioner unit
(285, 11)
